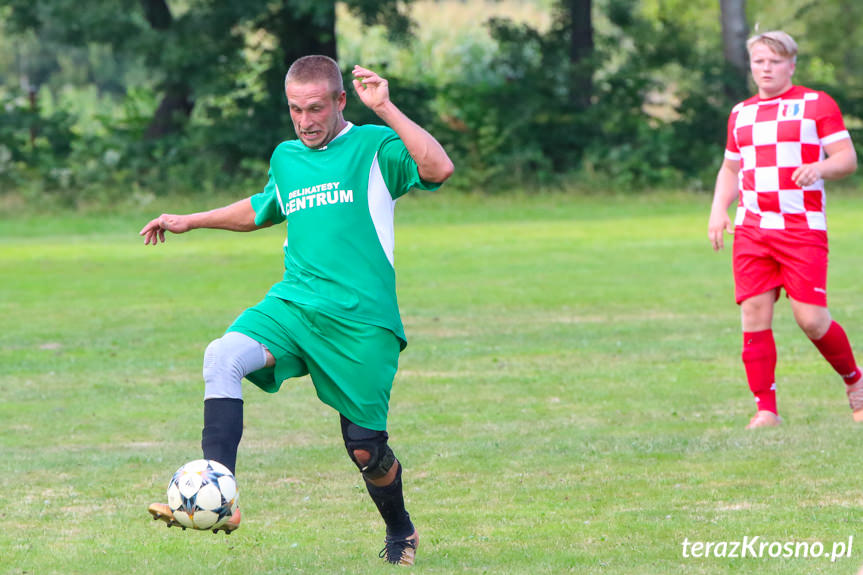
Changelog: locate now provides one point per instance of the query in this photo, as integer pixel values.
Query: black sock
(391, 504)
(223, 428)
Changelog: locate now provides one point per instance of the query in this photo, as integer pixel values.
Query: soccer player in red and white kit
(782, 144)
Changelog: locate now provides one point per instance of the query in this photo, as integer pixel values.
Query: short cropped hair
(778, 41)
(310, 69)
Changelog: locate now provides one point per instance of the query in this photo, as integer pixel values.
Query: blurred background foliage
(103, 101)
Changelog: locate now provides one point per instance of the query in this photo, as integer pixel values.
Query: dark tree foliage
(619, 94)
(195, 49)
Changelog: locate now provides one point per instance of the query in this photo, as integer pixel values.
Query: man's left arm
(841, 157)
(841, 161)
(433, 163)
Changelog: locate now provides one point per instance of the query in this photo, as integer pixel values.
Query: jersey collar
(344, 131)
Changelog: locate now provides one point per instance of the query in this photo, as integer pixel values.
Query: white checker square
(764, 133)
(747, 156)
(772, 221)
(766, 179)
(791, 201)
(750, 201)
(809, 132)
(817, 220)
(746, 115)
(789, 154)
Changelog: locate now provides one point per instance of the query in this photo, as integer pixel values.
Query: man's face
(771, 72)
(316, 114)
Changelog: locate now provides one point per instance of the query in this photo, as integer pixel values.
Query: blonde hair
(776, 40)
(310, 69)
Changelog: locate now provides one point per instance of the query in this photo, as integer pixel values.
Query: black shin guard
(223, 428)
(391, 504)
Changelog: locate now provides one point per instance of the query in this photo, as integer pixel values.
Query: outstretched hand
(372, 90)
(154, 231)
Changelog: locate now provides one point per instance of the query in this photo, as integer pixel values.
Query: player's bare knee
(813, 321)
(814, 330)
(361, 456)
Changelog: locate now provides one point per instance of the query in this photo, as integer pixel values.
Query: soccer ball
(203, 494)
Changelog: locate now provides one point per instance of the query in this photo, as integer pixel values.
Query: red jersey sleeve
(828, 120)
(732, 151)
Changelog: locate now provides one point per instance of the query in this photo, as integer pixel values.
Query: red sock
(836, 349)
(759, 359)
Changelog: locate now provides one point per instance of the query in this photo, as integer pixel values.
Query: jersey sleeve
(398, 168)
(732, 150)
(268, 204)
(829, 122)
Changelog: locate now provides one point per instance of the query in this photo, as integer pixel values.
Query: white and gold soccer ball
(203, 494)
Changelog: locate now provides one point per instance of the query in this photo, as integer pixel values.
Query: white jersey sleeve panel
(281, 201)
(381, 209)
(282, 209)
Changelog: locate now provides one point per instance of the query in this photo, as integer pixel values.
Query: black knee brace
(375, 442)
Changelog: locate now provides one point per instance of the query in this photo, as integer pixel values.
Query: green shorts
(352, 364)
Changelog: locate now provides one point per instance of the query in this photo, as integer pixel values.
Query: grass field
(571, 400)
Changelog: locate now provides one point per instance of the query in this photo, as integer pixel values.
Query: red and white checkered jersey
(772, 138)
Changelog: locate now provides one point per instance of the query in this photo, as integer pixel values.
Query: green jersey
(338, 202)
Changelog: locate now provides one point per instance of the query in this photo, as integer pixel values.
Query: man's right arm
(237, 217)
(433, 163)
(723, 196)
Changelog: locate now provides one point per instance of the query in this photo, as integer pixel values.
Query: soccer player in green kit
(334, 315)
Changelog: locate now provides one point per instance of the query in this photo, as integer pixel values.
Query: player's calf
(369, 450)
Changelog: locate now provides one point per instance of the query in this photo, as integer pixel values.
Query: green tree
(734, 34)
(577, 17)
(200, 48)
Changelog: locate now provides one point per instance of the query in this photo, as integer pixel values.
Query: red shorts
(794, 259)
